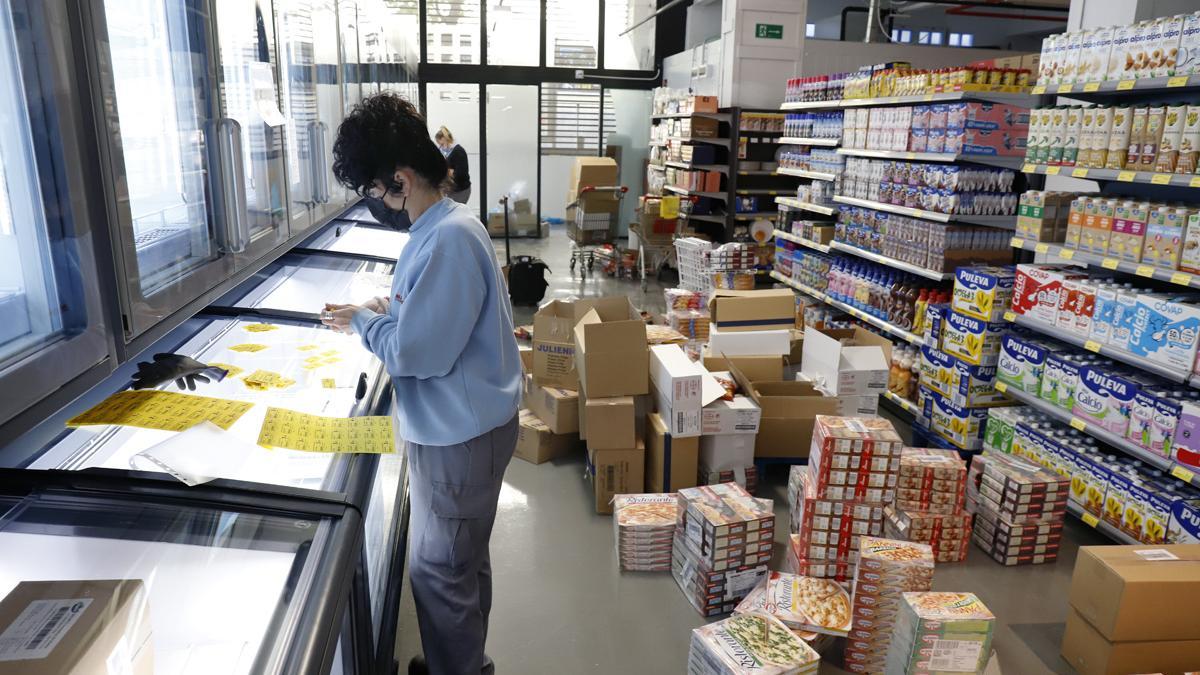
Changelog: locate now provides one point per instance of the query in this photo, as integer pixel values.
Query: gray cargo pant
(453, 492)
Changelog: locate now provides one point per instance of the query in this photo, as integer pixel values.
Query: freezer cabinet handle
(320, 163)
(233, 184)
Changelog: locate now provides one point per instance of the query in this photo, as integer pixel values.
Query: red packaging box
(854, 458)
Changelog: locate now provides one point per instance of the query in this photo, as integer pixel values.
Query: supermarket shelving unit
(1085, 259)
(794, 203)
(891, 329)
(808, 243)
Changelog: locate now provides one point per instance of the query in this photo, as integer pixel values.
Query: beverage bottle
(918, 317)
(894, 372)
(914, 376)
(904, 377)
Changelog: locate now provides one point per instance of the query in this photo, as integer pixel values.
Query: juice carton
(1020, 363)
(1186, 451)
(1129, 231)
(971, 340)
(1075, 219)
(983, 292)
(1101, 129)
(1165, 331)
(1104, 399)
(1038, 290)
(1189, 259)
(937, 370)
(1072, 133)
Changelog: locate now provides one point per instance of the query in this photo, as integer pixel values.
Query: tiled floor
(561, 606)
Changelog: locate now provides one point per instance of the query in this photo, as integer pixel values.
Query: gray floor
(561, 606)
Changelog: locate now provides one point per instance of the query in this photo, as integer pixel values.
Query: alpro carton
(984, 293)
(1187, 62)
(1165, 331)
(1104, 399)
(972, 340)
(1020, 363)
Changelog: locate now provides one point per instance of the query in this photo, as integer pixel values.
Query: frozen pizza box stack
(747, 477)
(887, 569)
(974, 478)
(797, 562)
(949, 535)
(1019, 511)
(750, 643)
(645, 531)
(939, 632)
(830, 529)
(854, 459)
(931, 480)
(723, 541)
(801, 603)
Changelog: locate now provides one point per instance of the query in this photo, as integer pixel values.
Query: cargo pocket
(452, 534)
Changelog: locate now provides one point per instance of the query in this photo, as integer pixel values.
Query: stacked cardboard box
(751, 323)
(645, 530)
(830, 528)
(886, 570)
(723, 542)
(1019, 510)
(940, 632)
(797, 562)
(801, 603)
(1131, 610)
(750, 643)
(537, 443)
(929, 503)
(549, 426)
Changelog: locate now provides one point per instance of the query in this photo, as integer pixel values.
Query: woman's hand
(337, 317)
(379, 305)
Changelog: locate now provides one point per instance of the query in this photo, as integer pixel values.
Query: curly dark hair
(383, 133)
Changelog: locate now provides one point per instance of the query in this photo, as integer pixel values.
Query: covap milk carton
(983, 292)
(1038, 290)
(1020, 363)
(1165, 331)
(1104, 399)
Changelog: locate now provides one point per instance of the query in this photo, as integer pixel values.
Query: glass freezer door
(246, 35)
(351, 89)
(163, 153)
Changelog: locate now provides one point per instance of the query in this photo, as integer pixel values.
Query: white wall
(556, 174)
(826, 15)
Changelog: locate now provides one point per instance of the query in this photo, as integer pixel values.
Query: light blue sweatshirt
(447, 338)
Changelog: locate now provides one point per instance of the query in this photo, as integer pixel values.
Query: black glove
(183, 369)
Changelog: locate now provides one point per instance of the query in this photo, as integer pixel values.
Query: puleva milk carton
(972, 340)
(1104, 399)
(1020, 363)
(1165, 331)
(983, 292)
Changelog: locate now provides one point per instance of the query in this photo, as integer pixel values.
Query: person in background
(456, 157)
(445, 336)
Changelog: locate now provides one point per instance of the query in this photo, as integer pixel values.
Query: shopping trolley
(592, 228)
(655, 248)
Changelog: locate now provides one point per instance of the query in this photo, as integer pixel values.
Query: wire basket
(692, 254)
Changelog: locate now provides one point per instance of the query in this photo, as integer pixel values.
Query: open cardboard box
(611, 353)
(733, 311)
(554, 344)
(789, 410)
(857, 368)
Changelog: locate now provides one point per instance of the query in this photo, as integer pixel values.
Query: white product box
(741, 416)
(750, 343)
(1119, 57)
(1172, 31)
(1188, 60)
(857, 368)
(726, 452)
(681, 382)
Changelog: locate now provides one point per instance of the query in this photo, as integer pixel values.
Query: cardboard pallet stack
(644, 527)
(750, 643)
(549, 424)
(851, 476)
(1019, 509)
(939, 632)
(723, 542)
(929, 505)
(886, 570)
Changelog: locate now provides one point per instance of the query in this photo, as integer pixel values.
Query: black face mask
(388, 217)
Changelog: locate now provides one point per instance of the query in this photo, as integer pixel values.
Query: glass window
(512, 113)
(456, 107)
(895, 35)
(513, 27)
(572, 32)
(810, 29)
(935, 38)
(906, 36)
(923, 37)
(635, 49)
(570, 119)
(625, 113)
(954, 39)
(454, 20)
(968, 39)
(29, 300)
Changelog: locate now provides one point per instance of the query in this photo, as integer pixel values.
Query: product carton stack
(886, 570)
(929, 505)
(550, 423)
(723, 542)
(840, 497)
(612, 360)
(1132, 609)
(849, 365)
(802, 603)
(938, 632)
(645, 530)
(750, 643)
(1019, 510)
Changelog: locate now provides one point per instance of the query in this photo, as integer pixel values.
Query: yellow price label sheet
(1090, 519)
(1078, 424)
(284, 428)
(1010, 316)
(1053, 170)
(329, 383)
(232, 371)
(1091, 86)
(1161, 179)
(1126, 176)
(1144, 271)
(1041, 248)
(1001, 387)
(307, 348)
(1067, 253)
(1178, 81)
(1110, 263)
(1066, 88)
(1181, 278)
(260, 327)
(1040, 89)
(1194, 182)
(248, 347)
(1092, 346)
(1016, 242)
(1125, 85)
(1079, 173)
(264, 380)
(1185, 475)
(165, 410)
(1029, 168)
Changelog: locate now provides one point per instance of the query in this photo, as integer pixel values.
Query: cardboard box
(558, 408)
(671, 463)
(80, 627)
(616, 472)
(537, 444)
(726, 452)
(680, 423)
(855, 368)
(554, 345)
(611, 422)
(749, 343)
(788, 410)
(739, 416)
(733, 311)
(1126, 592)
(611, 354)
(682, 384)
(527, 359)
(1089, 653)
(595, 172)
(581, 400)
(755, 368)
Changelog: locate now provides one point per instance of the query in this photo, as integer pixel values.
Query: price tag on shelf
(1110, 263)
(1079, 173)
(1185, 475)
(1127, 176)
(1065, 88)
(1194, 182)
(1181, 278)
(1126, 85)
(1066, 253)
(1017, 242)
(1144, 271)
(1090, 519)
(1091, 86)
(1028, 168)
(910, 155)
(1041, 248)
(1180, 81)
(1009, 316)
(1092, 346)
(1052, 170)
(1002, 387)
(1040, 89)
(1078, 424)
(1161, 179)
(928, 97)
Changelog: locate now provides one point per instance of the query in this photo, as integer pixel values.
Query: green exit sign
(768, 31)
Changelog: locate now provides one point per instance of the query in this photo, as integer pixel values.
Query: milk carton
(1188, 60)
(1123, 317)
(1168, 407)
(1071, 59)
(1172, 32)
(984, 292)
(1165, 331)
(1159, 503)
(1020, 363)
(962, 427)
(1104, 399)
(1185, 521)
(937, 370)
(974, 386)
(1094, 67)
(1120, 61)
(971, 340)
(999, 431)
(1060, 378)
(1141, 416)
(1186, 450)
(1038, 290)
(1103, 313)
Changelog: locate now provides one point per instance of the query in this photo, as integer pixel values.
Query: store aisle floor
(562, 607)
